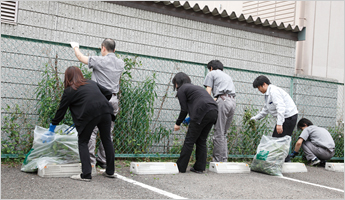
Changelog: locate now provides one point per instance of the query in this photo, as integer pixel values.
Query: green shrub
(16, 133)
(244, 140)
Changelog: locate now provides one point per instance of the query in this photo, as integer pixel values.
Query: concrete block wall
(143, 32)
(148, 33)
(321, 102)
(317, 100)
(22, 66)
(190, 44)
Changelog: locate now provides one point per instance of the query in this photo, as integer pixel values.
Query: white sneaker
(77, 177)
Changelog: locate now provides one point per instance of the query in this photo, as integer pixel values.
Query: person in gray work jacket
(280, 105)
(106, 71)
(316, 142)
(223, 89)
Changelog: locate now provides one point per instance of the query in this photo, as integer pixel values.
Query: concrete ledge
(62, 170)
(154, 168)
(293, 167)
(335, 167)
(229, 167)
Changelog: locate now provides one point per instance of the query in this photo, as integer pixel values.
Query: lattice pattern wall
(23, 61)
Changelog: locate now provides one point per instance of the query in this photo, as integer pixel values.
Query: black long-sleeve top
(85, 103)
(195, 101)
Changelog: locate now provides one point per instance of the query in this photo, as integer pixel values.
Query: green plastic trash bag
(63, 149)
(271, 154)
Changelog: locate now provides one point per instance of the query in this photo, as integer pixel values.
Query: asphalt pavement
(317, 183)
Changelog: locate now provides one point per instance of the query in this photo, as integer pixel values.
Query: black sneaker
(322, 164)
(196, 171)
(315, 161)
(101, 165)
(79, 178)
(109, 175)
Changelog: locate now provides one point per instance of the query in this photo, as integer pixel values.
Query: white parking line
(162, 192)
(291, 179)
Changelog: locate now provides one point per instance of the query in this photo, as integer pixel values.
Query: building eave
(205, 15)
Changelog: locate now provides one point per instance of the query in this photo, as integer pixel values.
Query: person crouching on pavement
(89, 104)
(203, 113)
(316, 142)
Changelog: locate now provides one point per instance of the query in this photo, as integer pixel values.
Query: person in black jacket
(89, 105)
(203, 113)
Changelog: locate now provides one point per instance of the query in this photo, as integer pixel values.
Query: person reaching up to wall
(106, 71)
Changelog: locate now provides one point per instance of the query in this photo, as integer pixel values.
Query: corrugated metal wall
(279, 11)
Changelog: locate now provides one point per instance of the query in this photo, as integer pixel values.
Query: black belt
(225, 95)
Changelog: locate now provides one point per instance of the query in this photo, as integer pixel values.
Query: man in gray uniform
(223, 89)
(106, 70)
(316, 142)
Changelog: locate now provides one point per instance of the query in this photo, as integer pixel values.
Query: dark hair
(180, 79)
(74, 78)
(215, 64)
(260, 80)
(109, 44)
(304, 122)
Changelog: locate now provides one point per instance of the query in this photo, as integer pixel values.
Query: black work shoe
(196, 171)
(101, 165)
(109, 175)
(79, 178)
(315, 161)
(322, 164)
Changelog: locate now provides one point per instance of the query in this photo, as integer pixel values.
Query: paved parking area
(317, 183)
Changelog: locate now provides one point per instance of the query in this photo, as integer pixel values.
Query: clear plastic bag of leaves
(63, 149)
(271, 154)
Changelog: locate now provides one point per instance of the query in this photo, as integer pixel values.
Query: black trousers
(103, 122)
(197, 134)
(288, 127)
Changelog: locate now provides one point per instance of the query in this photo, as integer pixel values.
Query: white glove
(253, 119)
(74, 44)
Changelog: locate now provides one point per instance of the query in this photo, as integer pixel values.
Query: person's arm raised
(81, 57)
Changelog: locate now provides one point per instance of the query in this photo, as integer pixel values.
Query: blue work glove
(52, 127)
(292, 155)
(49, 135)
(186, 121)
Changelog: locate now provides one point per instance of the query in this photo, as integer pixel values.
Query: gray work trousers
(92, 143)
(311, 151)
(226, 111)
